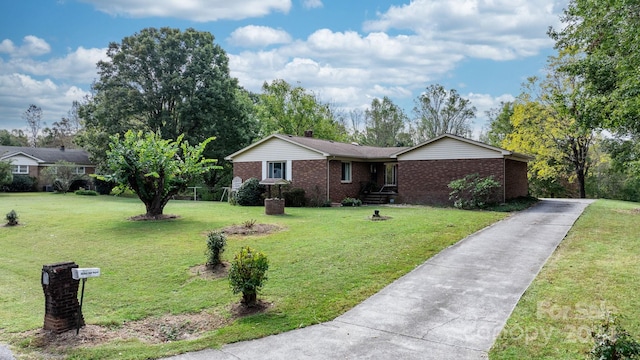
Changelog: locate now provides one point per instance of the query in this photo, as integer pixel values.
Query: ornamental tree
(155, 169)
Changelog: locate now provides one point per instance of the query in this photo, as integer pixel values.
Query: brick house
(417, 175)
(32, 161)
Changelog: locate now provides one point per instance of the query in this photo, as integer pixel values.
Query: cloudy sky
(346, 51)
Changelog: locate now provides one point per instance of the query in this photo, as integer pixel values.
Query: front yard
(323, 262)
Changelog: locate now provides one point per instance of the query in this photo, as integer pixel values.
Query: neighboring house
(417, 175)
(32, 161)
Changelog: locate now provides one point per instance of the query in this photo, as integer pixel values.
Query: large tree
(605, 33)
(551, 121)
(439, 111)
(385, 124)
(169, 82)
(33, 117)
(286, 109)
(155, 169)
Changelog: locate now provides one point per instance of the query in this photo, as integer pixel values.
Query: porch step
(376, 198)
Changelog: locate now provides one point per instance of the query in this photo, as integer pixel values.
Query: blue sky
(347, 52)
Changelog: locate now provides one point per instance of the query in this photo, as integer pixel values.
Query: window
(277, 170)
(79, 170)
(20, 169)
(346, 172)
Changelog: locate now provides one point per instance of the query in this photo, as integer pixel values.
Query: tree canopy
(605, 33)
(33, 117)
(155, 169)
(439, 111)
(171, 83)
(385, 124)
(286, 109)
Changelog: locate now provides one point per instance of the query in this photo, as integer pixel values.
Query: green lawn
(595, 269)
(326, 261)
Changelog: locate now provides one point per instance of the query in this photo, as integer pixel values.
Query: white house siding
(21, 160)
(277, 150)
(449, 149)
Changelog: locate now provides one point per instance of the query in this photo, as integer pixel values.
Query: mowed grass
(326, 261)
(594, 270)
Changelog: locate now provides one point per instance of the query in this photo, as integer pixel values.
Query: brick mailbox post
(62, 309)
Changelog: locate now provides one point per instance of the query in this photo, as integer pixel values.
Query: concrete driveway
(451, 307)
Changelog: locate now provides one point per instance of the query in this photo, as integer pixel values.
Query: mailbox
(84, 273)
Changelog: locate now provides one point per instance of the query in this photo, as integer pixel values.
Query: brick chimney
(308, 133)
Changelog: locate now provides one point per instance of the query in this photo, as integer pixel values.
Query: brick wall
(425, 181)
(360, 172)
(310, 175)
(246, 170)
(517, 183)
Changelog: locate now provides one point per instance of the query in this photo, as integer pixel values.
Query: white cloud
(258, 36)
(31, 46)
(18, 91)
(312, 4)
(492, 29)
(77, 66)
(195, 10)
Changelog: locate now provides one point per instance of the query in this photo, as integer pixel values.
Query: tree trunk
(249, 299)
(581, 185)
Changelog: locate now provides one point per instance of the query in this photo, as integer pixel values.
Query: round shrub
(248, 274)
(250, 193)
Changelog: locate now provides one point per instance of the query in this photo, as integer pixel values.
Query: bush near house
(294, 197)
(22, 183)
(351, 202)
(250, 193)
(473, 192)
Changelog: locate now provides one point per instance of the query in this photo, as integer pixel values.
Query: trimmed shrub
(473, 192)
(250, 193)
(12, 218)
(295, 197)
(613, 342)
(216, 241)
(103, 187)
(248, 274)
(351, 202)
(86, 192)
(22, 183)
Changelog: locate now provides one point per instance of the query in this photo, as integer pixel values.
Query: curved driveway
(451, 307)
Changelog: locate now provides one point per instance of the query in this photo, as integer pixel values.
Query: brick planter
(274, 206)
(61, 297)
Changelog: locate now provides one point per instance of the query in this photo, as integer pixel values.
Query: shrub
(472, 191)
(86, 192)
(22, 183)
(216, 241)
(250, 193)
(12, 218)
(351, 202)
(104, 187)
(249, 224)
(295, 197)
(248, 274)
(612, 342)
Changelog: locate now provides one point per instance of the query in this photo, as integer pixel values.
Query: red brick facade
(517, 183)
(425, 181)
(311, 175)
